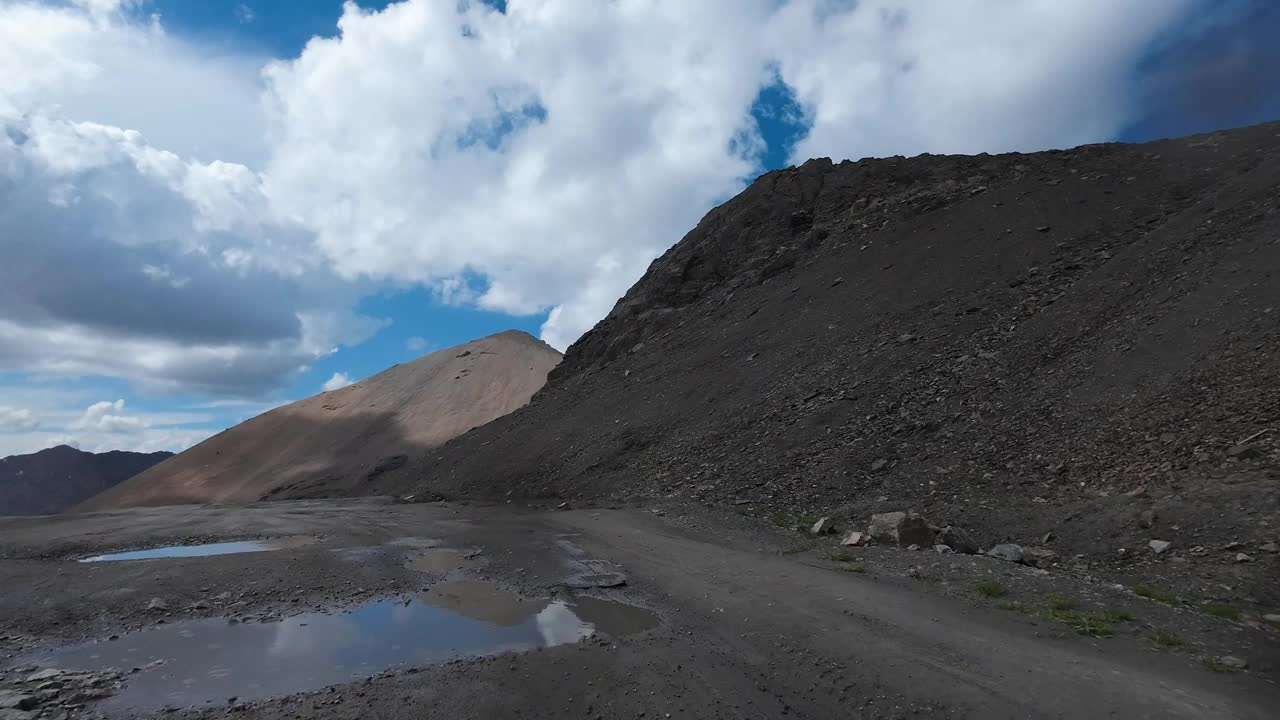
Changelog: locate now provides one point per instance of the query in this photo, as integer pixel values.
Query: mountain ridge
(55, 479)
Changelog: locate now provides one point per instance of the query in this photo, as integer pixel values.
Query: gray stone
(1245, 452)
(1272, 618)
(1147, 519)
(823, 526)
(46, 674)
(1007, 552)
(879, 465)
(1242, 558)
(855, 538)
(1270, 547)
(943, 549)
(1233, 662)
(958, 540)
(884, 526)
(17, 701)
(157, 604)
(902, 529)
(1159, 546)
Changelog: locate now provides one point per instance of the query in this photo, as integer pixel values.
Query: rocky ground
(1077, 345)
(756, 619)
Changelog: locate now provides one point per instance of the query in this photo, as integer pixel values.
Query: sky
(209, 209)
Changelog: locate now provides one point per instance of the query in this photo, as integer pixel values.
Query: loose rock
(1159, 546)
(823, 527)
(1039, 556)
(157, 604)
(1242, 558)
(958, 540)
(1007, 552)
(902, 529)
(855, 539)
(1233, 662)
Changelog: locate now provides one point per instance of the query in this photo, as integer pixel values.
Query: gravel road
(746, 626)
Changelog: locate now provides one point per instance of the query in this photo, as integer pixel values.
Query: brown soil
(335, 442)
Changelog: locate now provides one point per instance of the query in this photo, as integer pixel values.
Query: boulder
(1159, 546)
(157, 604)
(17, 701)
(958, 540)
(1233, 662)
(855, 538)
(1242, 558)
(823, 526)
(1039, 556)
(1007, 552)
(903, 529)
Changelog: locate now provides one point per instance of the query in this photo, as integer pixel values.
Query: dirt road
(746, 626)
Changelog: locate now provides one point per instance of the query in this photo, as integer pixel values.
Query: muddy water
(210, 661)
(187, 551)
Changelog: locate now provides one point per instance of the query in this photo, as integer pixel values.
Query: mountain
(55, 479)
(1021, 344)
(336, 442)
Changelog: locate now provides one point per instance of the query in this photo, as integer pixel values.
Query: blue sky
(291, 215)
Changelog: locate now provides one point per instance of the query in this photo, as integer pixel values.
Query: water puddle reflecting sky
(210, 661)
(187, 551)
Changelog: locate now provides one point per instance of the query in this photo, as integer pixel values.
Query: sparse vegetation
(854, 568)
(1153, 593)
(1225, 612)
(991, 589)
(841, 555)
(1062, 609)
(1060, 602)
(1166, 640)
(780, 519)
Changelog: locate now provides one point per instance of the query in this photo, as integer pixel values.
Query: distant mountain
(55, 479)
(338, 442)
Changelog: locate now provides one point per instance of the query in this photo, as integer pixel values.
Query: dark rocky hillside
(53, 480)
(1083, 343)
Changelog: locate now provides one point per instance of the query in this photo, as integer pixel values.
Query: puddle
(208, 661)
(187, 551)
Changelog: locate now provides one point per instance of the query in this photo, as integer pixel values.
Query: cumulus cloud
(194, 220)
(556, 148)
(106, 417)
(17, 419)
(338, 381)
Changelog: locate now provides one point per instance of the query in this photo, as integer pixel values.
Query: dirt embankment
(1074, 345)
(334, 443)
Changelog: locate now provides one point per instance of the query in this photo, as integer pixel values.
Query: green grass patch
(843, 556)
(1118, 616)
(854, 567)
(1060, 603)
(1093, 624)
(1226, 612)
(780, 519)
(1153, 593)
(991, 589)
(1166, 640)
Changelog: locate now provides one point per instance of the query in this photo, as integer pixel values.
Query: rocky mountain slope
(55, 479)
(1074, 347)
(337, 442)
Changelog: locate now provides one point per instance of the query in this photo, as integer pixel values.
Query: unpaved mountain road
(748, 629)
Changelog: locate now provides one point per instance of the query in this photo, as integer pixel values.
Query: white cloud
(17, 419)
(105, 417)
(416, 344)
(338, 381)
(245, 14)
(532, 160)
(559, 147)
